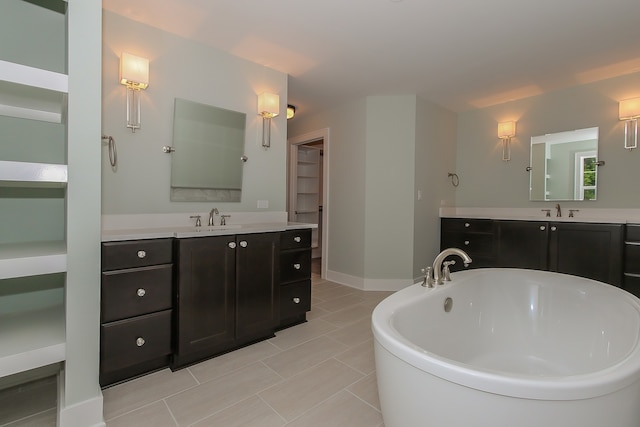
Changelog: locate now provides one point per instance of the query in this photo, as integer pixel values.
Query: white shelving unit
(307, 189)
(32, 334)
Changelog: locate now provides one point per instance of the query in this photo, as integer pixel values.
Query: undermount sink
(220, 227)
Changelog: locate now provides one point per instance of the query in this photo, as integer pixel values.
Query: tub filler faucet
(440, 268)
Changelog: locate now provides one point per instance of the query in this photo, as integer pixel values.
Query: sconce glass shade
(291, 111)
(506, 130)
(268, 105)
(134, 71)
(629, 111)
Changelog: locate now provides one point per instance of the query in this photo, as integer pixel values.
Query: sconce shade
(629, 109)
(268, 105)
(134, 71)
(506, 130)
(291, 111)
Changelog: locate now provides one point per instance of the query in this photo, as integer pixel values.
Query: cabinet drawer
(632, 258)
(295, 299)
(295, 265)
(136, 291)
(136, 253)
(136, 340)
(632, 283)
(469, 242)
(633, 233)
(295, 239)
(464, 224)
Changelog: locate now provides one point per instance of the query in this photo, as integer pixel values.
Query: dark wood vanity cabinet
(136, 308)
(474, 236)
(227, 294)
(295, 276)
(590, 250)
(631, 278)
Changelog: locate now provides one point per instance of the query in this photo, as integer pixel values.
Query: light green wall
(383, 149)
(83, 213)
(389, 189)
(183, 69)
(347, 183)
(487, 181)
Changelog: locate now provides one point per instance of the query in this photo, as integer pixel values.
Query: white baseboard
(367, 284)
(87, 413)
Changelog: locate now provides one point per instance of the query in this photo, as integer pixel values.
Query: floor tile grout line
(273, 409)
(362, 400)
(173, 417)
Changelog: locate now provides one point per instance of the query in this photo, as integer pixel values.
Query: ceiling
(461, 54)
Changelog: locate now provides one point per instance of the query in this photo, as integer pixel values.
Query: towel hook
(455, 180)
(113, 153)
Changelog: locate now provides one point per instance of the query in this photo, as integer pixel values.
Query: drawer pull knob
(140, 342)
(297, 266)
(243, 244)
(232, 245)
(297, 239)
(466, 242)
(553, 228)
(542, 228)
(467, 225)
(141, 292)
(142, 254)
(296, 300)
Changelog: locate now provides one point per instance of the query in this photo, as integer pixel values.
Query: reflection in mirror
(563, 165)
(209, 144)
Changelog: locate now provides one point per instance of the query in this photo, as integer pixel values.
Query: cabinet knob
(466, 242)
(140, 342)
(297, 266)
(542, 228)
(297, 239)
(141, 292)
(296, 300)
(554, 228)
(467, 225)
(142, 254)
(243, 244)
(232, 245)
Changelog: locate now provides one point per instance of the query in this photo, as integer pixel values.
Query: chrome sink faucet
(439, 275)
(558, 210)
(213, 212)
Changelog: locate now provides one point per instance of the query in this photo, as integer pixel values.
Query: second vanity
(177, 296)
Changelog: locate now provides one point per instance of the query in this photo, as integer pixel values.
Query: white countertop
(610, 216)
(203, 231)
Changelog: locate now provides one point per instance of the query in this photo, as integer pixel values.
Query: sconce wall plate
(506, 131)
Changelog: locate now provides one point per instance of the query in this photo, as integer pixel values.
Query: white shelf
(32, 93)
(32, 259)
(31, 339)
(34, 174)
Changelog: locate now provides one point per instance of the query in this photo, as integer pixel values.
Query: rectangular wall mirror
(209, 144)
(563, 166)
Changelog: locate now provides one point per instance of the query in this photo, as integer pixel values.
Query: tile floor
(320, 373)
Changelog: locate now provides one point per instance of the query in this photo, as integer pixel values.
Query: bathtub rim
(571, 387)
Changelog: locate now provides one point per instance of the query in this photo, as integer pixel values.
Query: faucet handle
(571, 211)
(223, 219)
(428, 280)
(446, 273)
(197, 218)
(548, 212)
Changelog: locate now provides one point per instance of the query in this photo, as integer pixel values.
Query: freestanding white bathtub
(517, 348)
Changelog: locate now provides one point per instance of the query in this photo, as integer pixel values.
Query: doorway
(308, 188)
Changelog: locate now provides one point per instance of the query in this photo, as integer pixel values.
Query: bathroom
(383, 213)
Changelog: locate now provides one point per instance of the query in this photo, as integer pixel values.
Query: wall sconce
(629, 111)
(134, 74)
(268, 108)
(291, 111)
(506, 131)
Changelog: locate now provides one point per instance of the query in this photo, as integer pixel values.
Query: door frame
(292, 144)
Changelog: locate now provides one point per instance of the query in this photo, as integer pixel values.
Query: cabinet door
(588, 250)
(257, 266)
(523, 244)
(205, 297)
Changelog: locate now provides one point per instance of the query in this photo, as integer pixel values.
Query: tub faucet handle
(428, 280)
(446, 272)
